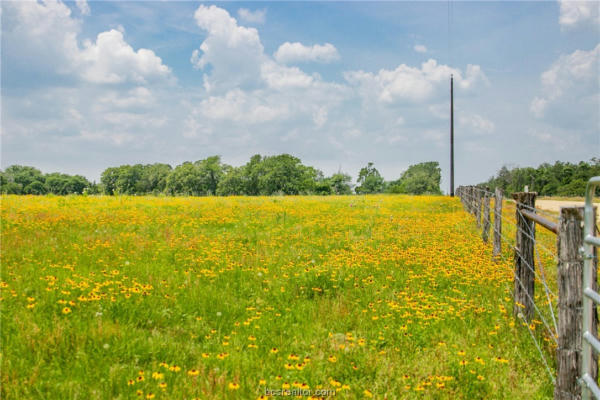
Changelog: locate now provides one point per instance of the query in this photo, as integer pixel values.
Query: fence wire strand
(541, 265)
(542, 280)
(469, 206)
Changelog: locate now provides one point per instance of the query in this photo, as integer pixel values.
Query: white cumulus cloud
(281, 77)
(237, 58)
(47, 31)
(83, 6)
(571, 79)
(297, 52)
(137, 98)
(574, 13)
(239, 106)
(252, 17)
(234, 52)
(411, 84)
(419, 48)
(112, 60)
(476, 123)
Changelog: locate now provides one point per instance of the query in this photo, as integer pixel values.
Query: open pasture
(179, 298)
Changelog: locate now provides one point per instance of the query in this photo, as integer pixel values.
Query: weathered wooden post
(468, 198)
(524, 256)
(570, 293)
(497, 224)
(478, 200)
(466, 195)
(485, 233)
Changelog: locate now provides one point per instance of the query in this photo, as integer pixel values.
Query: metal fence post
(524, 257)
(590, 345)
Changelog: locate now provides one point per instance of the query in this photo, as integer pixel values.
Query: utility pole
(451, 136)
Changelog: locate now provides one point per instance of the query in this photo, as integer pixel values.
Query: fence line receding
(570, 320)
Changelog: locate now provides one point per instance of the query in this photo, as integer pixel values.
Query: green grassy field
(223, 298)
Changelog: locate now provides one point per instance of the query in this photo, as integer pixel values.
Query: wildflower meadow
(383, 296)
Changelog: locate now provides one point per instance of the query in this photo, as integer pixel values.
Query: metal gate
(589, 341)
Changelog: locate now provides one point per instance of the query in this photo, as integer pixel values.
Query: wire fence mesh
(542, 327)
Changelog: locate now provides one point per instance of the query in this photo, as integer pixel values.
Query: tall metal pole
(451, 136)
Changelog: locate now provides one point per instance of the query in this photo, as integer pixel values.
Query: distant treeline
(558, 179)
(262, 175)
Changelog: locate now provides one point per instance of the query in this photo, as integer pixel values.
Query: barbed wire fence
(555, 270)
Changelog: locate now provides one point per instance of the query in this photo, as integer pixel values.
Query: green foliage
(135, 179)
(281, 174)
(422, 178)
(211, 172)
(200, 178)
(154, 178)
(109, 180)
(18, 179)
(185, 179)
(234, 182)
(369, 180)
(11, 188)
(284, 174)
(35, 187)
(340, 183)
(559, 179)
(63, 184)
(128, 179)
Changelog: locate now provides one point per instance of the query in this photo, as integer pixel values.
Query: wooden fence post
(468, 199)
(478, 200)
(524, 257)
(497, 224)
(471, 200)
(485, 233)
(570, 291)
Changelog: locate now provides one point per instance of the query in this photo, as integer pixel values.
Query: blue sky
(88, 85)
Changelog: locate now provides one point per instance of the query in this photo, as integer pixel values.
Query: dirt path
(555, 205)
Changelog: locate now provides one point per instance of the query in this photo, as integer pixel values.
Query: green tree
(340, 183)
(56, 183)
(11, 188)
(211, 172)
(185, 179)
(560, 178)
(35, 187)
(77, 184)
(369, 180)
(233, 183)
(62, 184)
(129, 178)
(8, 185)
(153, 178)
(422, 178)
(252, 172)
(284, 174)
(18, 178)
(108, 179)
